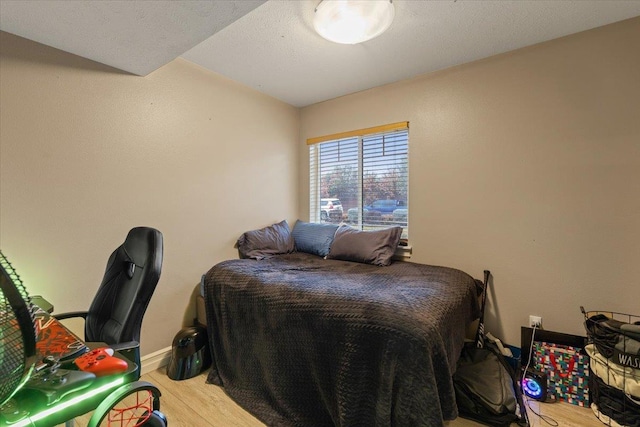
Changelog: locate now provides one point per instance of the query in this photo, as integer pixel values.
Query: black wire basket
(613, 345)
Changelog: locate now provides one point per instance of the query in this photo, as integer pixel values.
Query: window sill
(403, 253)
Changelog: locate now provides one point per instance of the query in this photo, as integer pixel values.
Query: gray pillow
(313, 238)
(369, 247)
(266, 242)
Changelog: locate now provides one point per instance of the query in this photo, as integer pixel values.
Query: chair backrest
(132, 273)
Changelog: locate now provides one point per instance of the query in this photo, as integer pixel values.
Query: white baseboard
(155, 360)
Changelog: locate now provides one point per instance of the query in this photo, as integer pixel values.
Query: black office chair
(114, 318)
(132, 273)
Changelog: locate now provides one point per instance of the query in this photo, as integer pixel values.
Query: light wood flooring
(193, 403)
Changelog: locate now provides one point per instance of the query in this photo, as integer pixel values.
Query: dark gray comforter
(298, 340)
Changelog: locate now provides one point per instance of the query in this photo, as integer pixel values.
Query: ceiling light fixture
(353, 21)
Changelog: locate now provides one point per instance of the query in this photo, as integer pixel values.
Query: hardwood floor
(193, 403)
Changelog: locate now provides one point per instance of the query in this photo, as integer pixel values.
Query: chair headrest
(140, 242)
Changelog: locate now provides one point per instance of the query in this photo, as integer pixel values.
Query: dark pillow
(313, 238)
(266, 242)
(369, 247)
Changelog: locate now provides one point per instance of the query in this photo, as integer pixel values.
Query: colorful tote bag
(567, 371)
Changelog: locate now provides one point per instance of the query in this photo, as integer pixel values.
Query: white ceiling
(271, 45)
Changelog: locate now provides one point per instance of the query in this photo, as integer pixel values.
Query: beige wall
(88, 152)
(526, 164)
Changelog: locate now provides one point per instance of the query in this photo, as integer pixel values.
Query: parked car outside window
(386, 206)
(330, 210)
(375, 210)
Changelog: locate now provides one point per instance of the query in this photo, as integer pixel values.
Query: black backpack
(485, 384)
(486, 390)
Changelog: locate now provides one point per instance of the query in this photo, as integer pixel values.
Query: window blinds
(367, 170)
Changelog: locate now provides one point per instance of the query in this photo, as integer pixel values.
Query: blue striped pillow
(313, 238)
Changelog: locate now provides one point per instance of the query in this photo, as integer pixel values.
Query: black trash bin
(189, 354)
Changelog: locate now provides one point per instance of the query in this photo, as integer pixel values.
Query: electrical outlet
(535, 321)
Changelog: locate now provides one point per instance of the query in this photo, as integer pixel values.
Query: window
(361, 177)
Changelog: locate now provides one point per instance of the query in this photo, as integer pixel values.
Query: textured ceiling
(134, 36)
(271, 46)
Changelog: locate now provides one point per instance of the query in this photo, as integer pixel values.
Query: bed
(300, 340)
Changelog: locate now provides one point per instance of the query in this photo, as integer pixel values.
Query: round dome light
(353, 21)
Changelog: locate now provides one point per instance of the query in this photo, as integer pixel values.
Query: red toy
(101, 362)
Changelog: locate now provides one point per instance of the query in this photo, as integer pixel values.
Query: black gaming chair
(131, 276)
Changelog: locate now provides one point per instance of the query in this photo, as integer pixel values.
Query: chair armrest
(71, 315)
